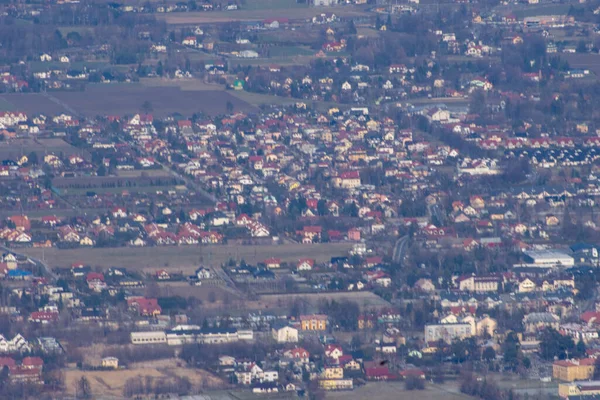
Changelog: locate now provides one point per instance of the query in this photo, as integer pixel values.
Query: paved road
(400, 249)
(38, 263)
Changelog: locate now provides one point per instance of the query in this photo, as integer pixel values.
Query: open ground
(111, 383)
(14, 148)
(366, 300)
(396, 391)
(119, 99)
(185, 258)
(255, 15)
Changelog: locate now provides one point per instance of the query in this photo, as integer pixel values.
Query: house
(203, 273)
(424, 285)
(284, 333)
(374, 371)
(21, 222)
(162, 275)
(479, 284)
(332, 371)
(189, 41)
(298, 354)
(144, 306)
(265, 387)
(347, 180)
(305, 264)
(110, 362)
(526, 285)
(314, 322)
(119, 212)
(334, 351)
(354, 234)
(336, 384)
(537, 321)
(272, 263)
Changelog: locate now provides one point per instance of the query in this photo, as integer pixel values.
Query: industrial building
(548, 258)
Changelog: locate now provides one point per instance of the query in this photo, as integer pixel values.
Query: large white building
(324, 3)
(157, 337)
(479, 284)
(188, 334)
(548, 258)
(447, 332)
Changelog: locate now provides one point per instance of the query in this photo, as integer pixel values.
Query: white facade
(148, 337)
(286, 334)
(447, 332)
(550, 258)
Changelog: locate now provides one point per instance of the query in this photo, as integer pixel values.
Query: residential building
(447, 332)
(314, 322)
(573, 370)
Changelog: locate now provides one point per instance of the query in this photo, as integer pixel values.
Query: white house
(285, 334)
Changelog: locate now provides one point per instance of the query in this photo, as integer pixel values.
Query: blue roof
(18, 273)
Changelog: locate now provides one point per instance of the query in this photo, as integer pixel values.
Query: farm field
(396, 391)
(122, 99)
(221, 295)
(30, 103)
(259, 99)
(17, 147)
(112, 383)
(185, 258)
(277, 60)
(254, 15)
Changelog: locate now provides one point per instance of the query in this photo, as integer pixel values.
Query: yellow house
(315, 322)
(333, 372)
(110, 362)
(573, 370)
(336, 384)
